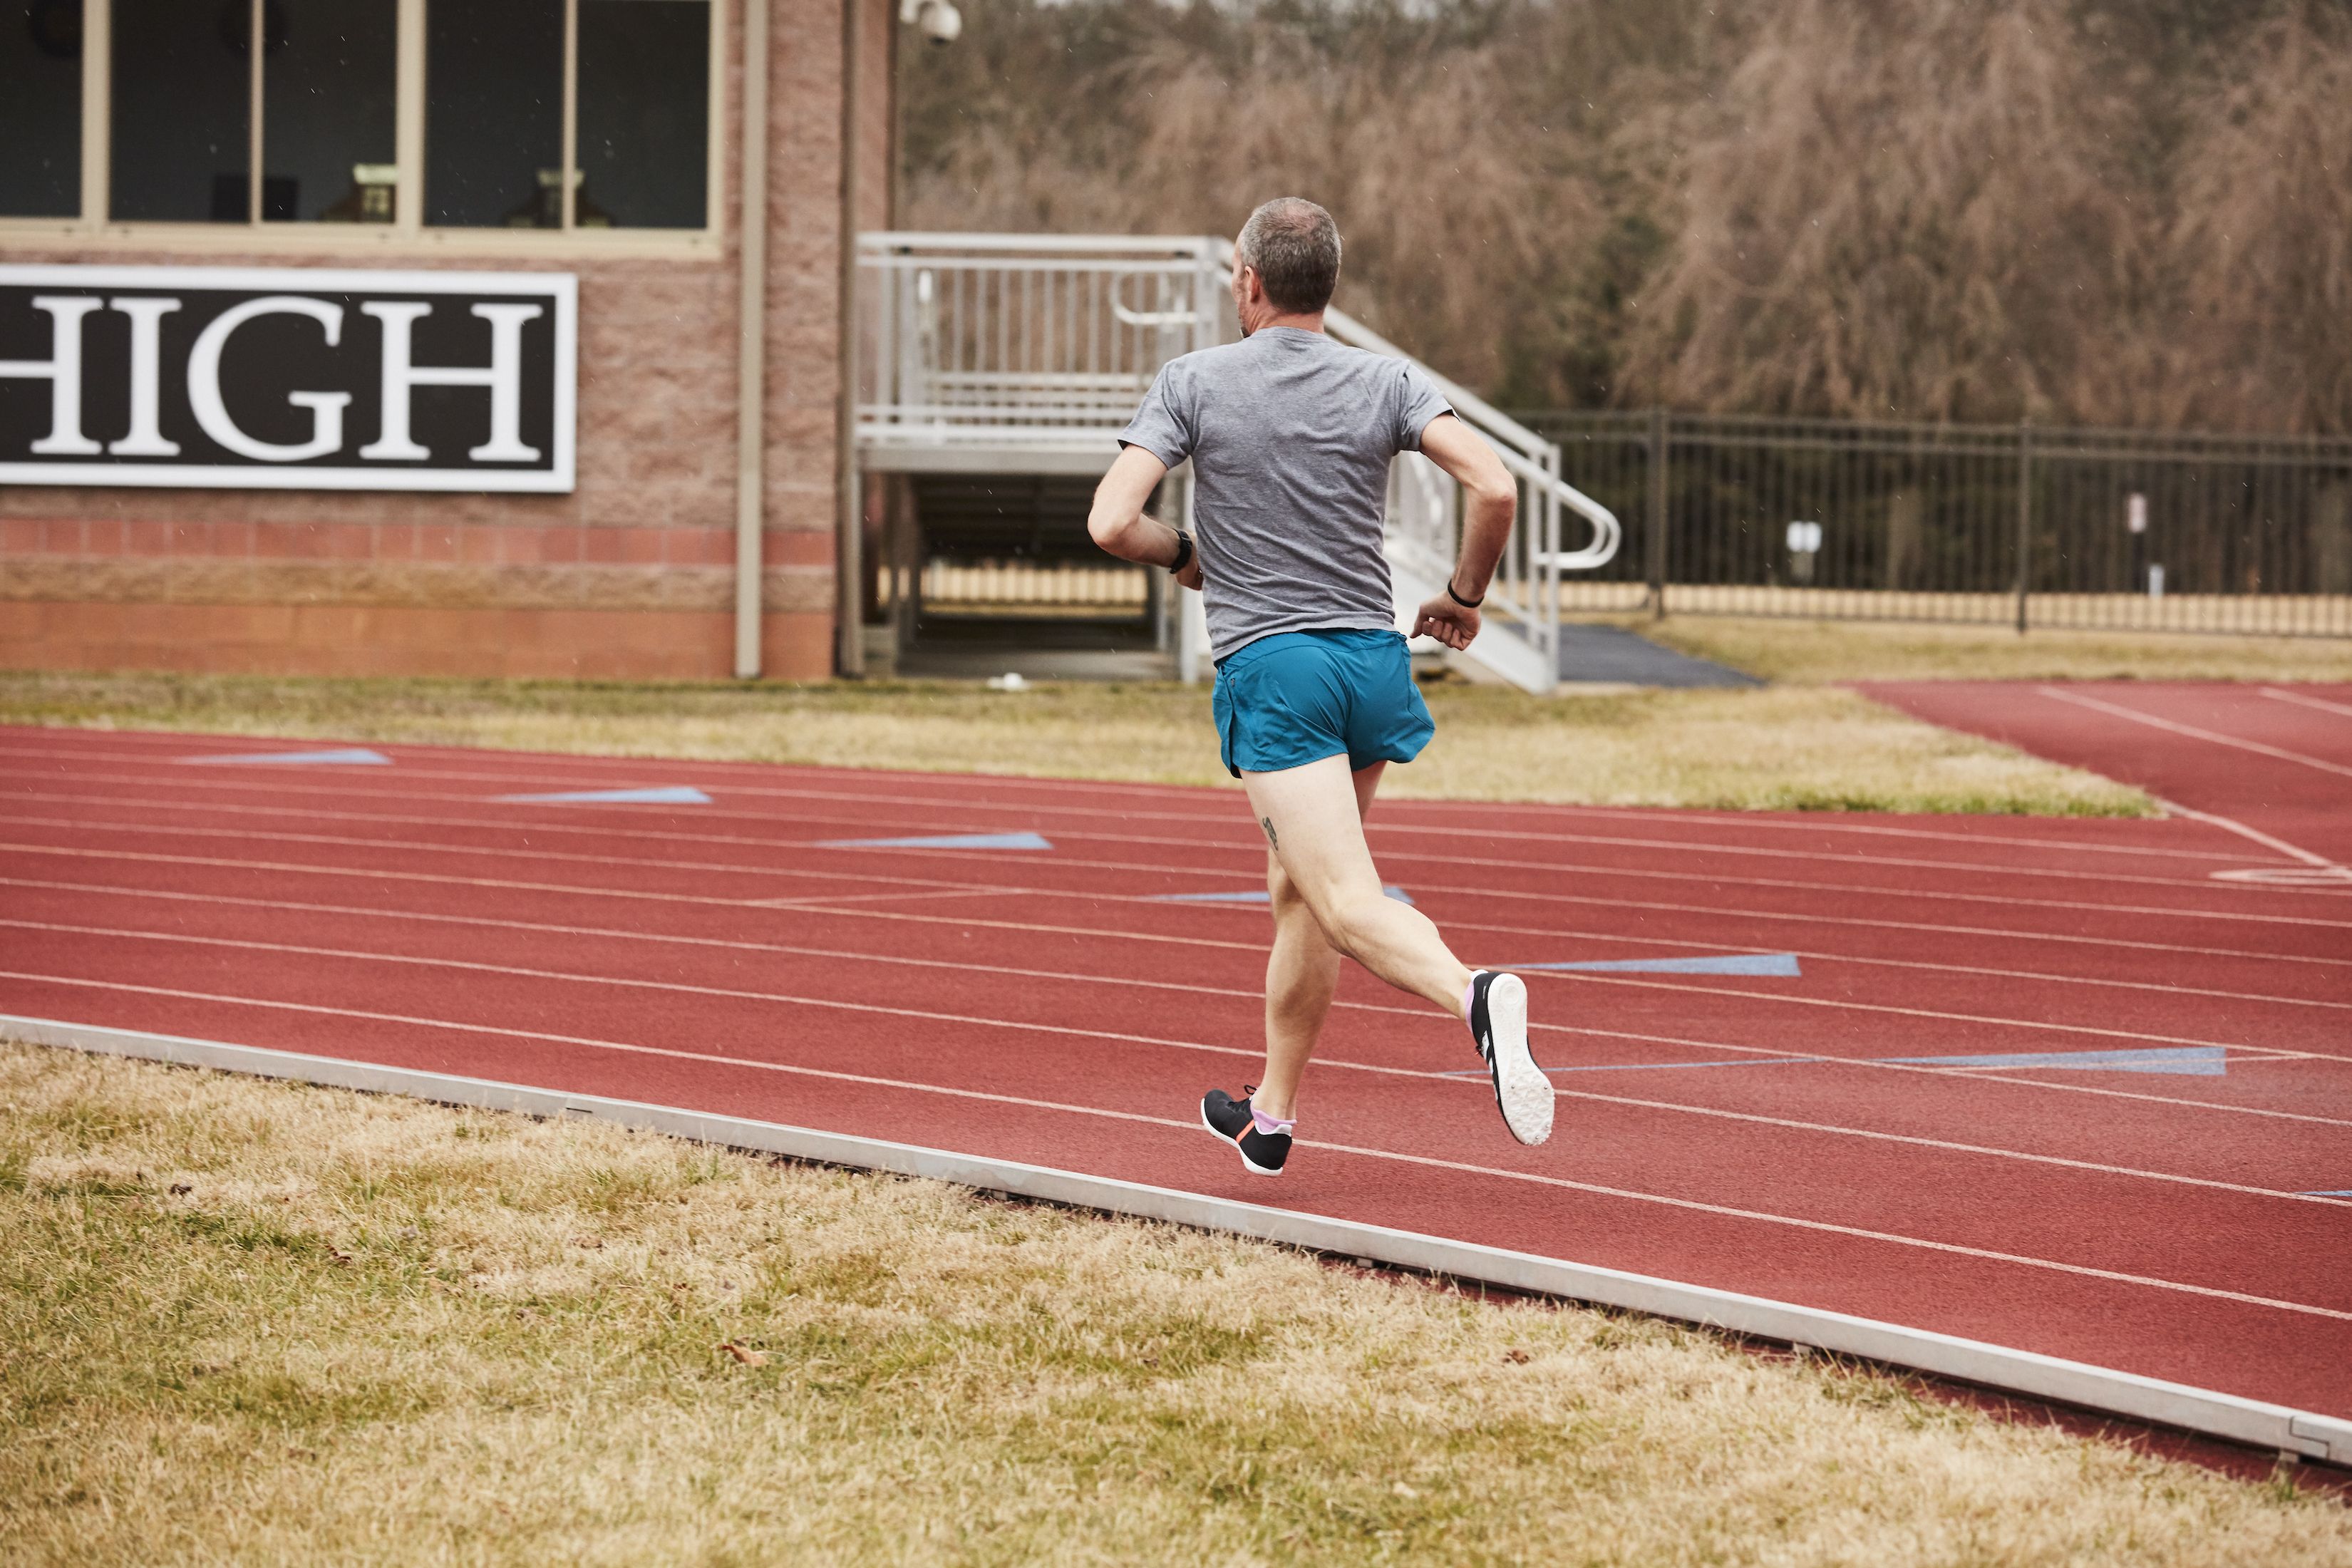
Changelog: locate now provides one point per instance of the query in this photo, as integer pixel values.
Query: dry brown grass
(1780, 749)
(1820, 651)
(243, 1321)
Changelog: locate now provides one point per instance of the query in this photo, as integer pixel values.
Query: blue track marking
(1259, 896)
(2339, 1192)
(946, 841)
(2192, 1061)
(666, 794)
(345, 756)
(1775, 963)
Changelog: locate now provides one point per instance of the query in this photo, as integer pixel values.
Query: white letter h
(502, 375)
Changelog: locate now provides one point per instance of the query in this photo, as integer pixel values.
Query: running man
(1290, 435)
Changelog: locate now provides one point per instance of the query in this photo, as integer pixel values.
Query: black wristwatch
(1183, 553)
(1465, 604)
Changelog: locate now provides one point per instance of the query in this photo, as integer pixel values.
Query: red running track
(1772, 1132)
(2274, 758)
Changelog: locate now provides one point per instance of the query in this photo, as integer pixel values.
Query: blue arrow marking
(1776, 963)
(2192, 1061)
(668, 794)
(347, 756)
(946, 841)
(1259, 896)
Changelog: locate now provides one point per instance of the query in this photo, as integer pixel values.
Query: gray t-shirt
(1290, 435)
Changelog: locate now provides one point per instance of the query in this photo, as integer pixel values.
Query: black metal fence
(2000, 525)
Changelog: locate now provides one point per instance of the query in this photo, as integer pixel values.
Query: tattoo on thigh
(1267, 823)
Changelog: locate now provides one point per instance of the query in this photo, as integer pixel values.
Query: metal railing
(2010, 525)
(1000, 351)
(1013, 343)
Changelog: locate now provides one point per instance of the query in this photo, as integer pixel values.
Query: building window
(329, 131)
(640, 106)
(41, 107)
(645, 113)
(494, 114)
(564, 115)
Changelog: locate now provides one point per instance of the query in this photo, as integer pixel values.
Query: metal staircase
(994, 353)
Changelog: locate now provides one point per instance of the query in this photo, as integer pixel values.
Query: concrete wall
(632, 575)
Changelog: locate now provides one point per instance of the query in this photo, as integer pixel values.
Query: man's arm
(1118, 523)
(1490, 501)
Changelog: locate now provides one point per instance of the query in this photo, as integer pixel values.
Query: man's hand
(1451, 624)
(1191, 576)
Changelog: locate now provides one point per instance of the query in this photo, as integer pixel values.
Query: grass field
(1818, 652)
(254, 1321)
(1784, 748)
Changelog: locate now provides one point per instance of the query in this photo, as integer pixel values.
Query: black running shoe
(1262, 1153)
(1498, 1022)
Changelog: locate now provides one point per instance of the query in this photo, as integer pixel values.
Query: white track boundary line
(1191, 987)
(2255, 1423)
(780, 999)
(2192, 732)
(2297, 698)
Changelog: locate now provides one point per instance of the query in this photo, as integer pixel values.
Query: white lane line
(737, 994)
(954, 790)
(1721, 911)
(1818, 956)
(1938, 1014)
(1144, 937)
(818, 903)
(1236, 842)
(1397, 813)
(2231, 825)
(1099, 932)
(1068, 862)
(1980, 1075)
(1813, 822)
(2303, 701)
(1596, 1189)
(1191, 987)
(2191, 731)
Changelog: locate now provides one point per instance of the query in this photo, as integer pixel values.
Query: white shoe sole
(1252, 1166)
(1521, 1088)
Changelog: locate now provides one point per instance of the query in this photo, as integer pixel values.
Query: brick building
(213, 480)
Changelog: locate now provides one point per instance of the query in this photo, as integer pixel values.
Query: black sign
(287, 378)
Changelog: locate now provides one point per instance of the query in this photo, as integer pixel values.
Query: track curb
(2254, 1423)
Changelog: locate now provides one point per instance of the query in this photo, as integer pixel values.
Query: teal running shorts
(1297, 698)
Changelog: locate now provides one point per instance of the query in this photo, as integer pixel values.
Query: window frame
(408, 234)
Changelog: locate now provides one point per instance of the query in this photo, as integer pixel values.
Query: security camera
(941, 23)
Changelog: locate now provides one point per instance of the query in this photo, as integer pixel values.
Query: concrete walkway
(1611, 656)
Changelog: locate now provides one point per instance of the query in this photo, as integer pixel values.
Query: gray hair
(1294, 247)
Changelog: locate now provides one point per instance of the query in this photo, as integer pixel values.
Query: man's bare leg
(1313, 822)
(1312, 819)
(1301, 975)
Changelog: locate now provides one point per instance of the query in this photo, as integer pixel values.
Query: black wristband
(1465, 604)
(1184, 552)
